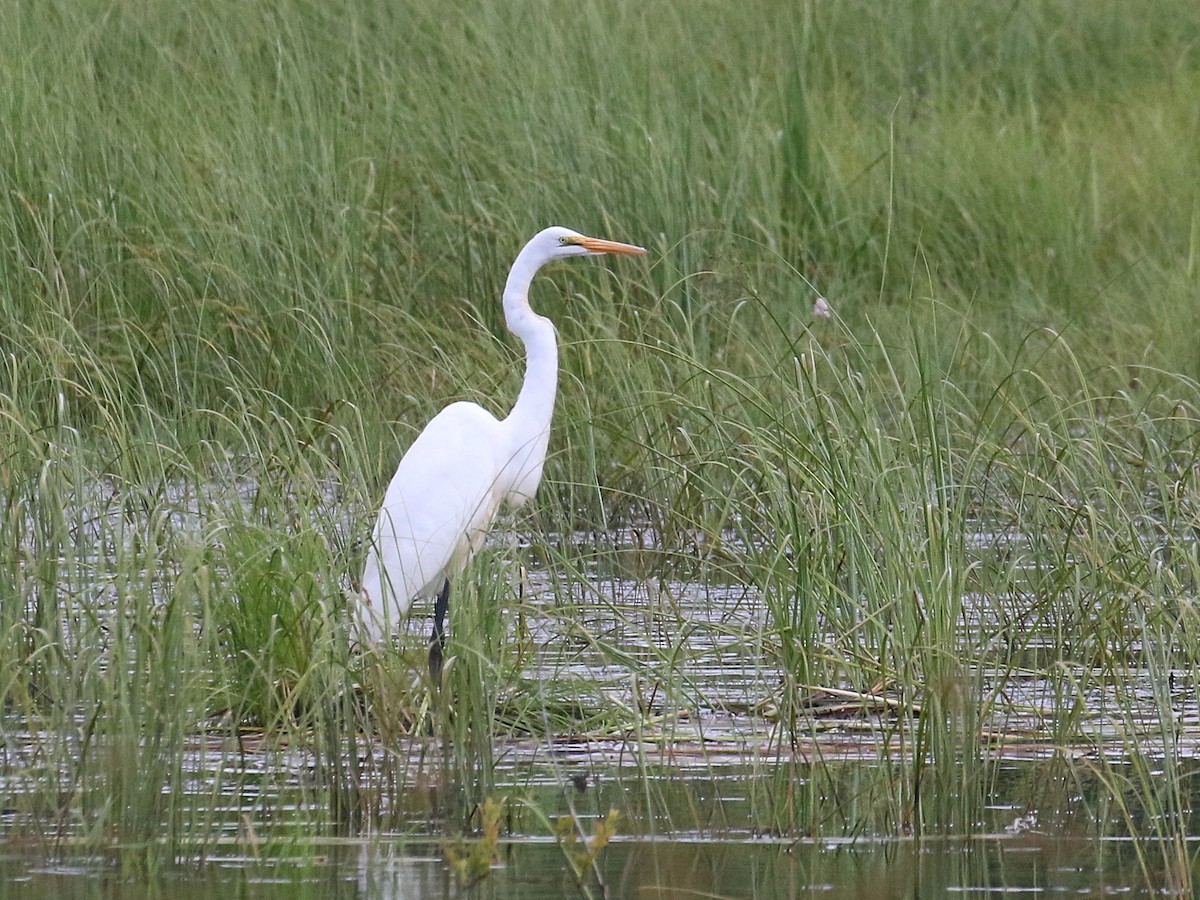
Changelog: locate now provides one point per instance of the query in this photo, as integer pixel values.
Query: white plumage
(466, 463)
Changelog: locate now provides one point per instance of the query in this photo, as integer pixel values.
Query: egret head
(558, 242)
(546, 246)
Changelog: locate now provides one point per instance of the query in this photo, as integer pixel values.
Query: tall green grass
(256, 196)
(246, 250)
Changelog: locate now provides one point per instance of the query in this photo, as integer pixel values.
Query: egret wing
(436, 511)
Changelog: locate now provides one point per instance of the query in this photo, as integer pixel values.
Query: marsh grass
(248, 250)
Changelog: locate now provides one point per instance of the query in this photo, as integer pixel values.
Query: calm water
(1030, 865)
(694, 788)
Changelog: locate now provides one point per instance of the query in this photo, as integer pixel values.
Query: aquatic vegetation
(582, 852)
(471, 860)
(923, 568)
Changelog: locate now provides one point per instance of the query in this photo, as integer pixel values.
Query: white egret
(453, 479)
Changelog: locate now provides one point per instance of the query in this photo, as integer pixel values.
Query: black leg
(437, 642)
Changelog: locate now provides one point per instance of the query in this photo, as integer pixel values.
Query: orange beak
(598, 245)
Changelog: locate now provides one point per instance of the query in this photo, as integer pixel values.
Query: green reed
(247, 253)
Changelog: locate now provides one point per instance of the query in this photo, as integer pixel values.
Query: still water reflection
(986, 867)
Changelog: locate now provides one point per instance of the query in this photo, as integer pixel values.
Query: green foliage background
(241, 205)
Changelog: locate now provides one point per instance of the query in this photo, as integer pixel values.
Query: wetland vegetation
(917, 573)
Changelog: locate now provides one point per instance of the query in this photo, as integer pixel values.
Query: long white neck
(529, 421)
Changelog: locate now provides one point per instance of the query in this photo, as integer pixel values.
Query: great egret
(466, 462)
